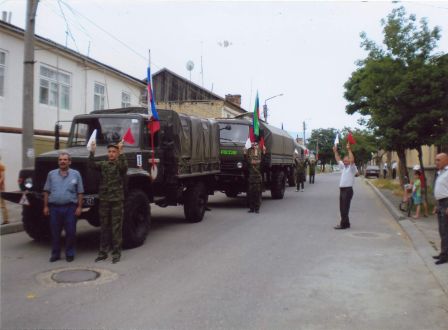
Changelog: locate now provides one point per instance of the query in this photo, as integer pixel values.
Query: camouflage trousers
(111, 218)
(254, 195)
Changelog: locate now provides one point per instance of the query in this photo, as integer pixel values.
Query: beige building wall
(429, 153)
(207, 109)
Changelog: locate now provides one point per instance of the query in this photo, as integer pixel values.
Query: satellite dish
(190, 65)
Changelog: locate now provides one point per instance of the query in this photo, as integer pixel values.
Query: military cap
(112, 145)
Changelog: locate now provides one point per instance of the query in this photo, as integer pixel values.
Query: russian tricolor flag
(154, 124)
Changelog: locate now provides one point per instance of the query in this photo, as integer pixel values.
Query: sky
(305, 50)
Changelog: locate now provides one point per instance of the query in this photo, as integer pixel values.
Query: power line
(67, 26)
(77, 13)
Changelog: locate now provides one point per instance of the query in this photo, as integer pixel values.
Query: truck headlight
(28, 183)
(239, 165)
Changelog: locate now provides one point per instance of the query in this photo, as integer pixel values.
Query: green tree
(399, 87)
(321, 142)
(366, 145)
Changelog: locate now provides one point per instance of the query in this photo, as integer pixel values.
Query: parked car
(372, 170)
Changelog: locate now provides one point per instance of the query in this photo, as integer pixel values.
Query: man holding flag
(349, 170)
(111, 196)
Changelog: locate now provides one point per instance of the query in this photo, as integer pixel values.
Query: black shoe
(53, 259)
(257, 211)
(69, 258)
(115, 260)
(100, 258)
(251, 211)
(441, 261)
(436, 257)
(342, 227)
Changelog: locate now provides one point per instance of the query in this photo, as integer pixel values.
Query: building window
(2, 72)
(125, 99)
(54, 88)
(98, 99)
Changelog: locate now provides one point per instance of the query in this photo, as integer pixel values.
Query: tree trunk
(403, 170)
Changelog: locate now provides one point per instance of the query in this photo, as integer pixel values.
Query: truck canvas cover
(190, 142)
(279, 145)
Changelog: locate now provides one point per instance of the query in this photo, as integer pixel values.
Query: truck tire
(278, 185)
(231, 193)
(35, 224)
(136, 219)
(195, 201)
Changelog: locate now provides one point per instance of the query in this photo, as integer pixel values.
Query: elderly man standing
(63, 194)
(441, 196)
(349, 170)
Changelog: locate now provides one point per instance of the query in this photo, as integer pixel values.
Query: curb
(420, 243)
(11, 228)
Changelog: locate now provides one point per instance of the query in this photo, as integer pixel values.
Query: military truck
(276, 165)
(185, 158)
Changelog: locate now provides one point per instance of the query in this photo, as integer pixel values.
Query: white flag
(248, 144)
(92, 138)
(336, 140)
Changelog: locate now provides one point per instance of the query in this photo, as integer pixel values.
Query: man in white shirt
(349, 170)
(441, 196)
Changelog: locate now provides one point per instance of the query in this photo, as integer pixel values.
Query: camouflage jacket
(113, 176)
(254, 160)
(300, 167)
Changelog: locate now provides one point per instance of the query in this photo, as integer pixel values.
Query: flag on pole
(282, 126)
(256, 117)
(128, 137)
(350, 138)
(336, 140)
(154, 124)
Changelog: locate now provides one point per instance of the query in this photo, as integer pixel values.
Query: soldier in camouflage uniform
(111, 196)
(300, 173)
(254, 180)
(312, 170)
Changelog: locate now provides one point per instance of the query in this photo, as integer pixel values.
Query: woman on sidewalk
(417, 193)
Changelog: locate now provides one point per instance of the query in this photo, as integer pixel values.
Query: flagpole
(149, 80)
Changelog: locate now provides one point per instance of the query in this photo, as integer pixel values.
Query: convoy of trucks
(183, 163)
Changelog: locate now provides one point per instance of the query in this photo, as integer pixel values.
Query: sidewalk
(423, 233)
(15, 219)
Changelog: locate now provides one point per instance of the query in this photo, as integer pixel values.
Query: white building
(66, 83)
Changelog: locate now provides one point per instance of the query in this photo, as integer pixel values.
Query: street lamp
(265, 107)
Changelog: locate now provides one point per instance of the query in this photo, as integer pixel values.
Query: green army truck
(186, 158)
(277, 164)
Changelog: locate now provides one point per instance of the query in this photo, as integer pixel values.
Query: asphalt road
(286, 268)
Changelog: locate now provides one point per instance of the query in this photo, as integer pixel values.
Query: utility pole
(304, 129)
(28, 86)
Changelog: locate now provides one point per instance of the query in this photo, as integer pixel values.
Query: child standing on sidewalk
(417, 193)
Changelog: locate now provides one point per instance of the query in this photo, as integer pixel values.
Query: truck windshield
(233, 132)
(109, 130)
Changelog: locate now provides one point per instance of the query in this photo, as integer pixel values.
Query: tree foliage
(322, 139)
(401, 88)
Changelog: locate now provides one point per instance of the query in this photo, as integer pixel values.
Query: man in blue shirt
(63, 192)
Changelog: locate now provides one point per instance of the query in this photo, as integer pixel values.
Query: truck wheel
(278, 185)
(195, 200)
(137, 219)
(231, 193)
(292, 180)
(36, 225)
